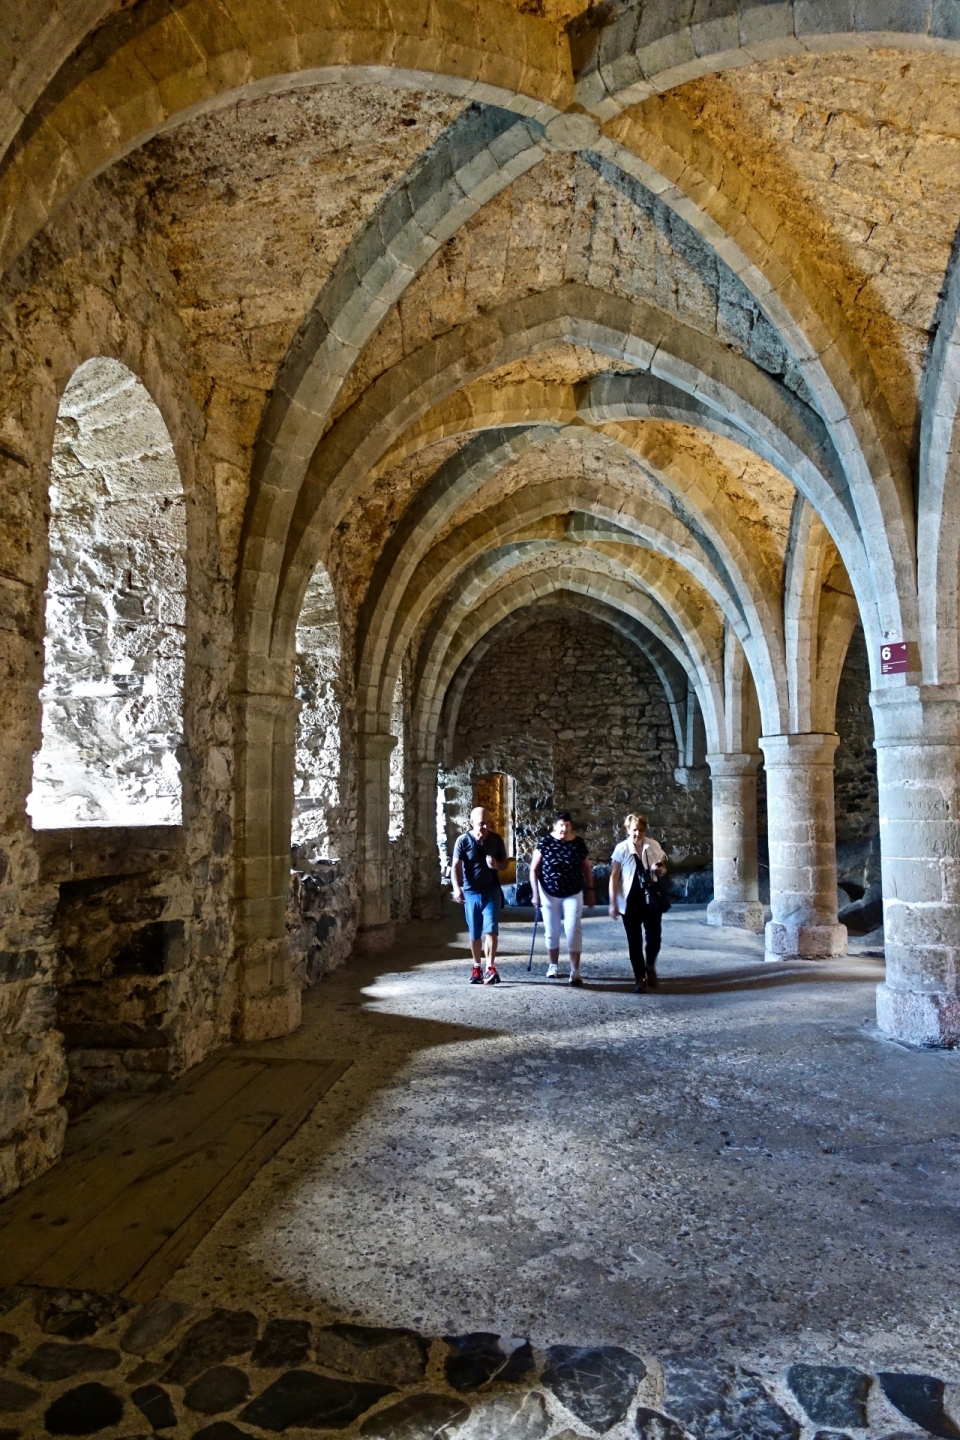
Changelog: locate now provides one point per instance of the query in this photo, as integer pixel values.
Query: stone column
(373, 792)
(918, 770)
(426, 863)
(268, 989)
(801, 830)
(736, 896)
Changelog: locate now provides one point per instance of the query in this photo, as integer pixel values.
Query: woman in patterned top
(560, 874)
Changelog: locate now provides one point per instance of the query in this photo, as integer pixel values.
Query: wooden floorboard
(122, 1212)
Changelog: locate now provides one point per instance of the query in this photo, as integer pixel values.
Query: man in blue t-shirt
(478, 858)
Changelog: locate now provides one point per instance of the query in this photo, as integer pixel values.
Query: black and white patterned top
(561, 872)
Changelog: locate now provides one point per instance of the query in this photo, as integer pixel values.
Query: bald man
(478, 858)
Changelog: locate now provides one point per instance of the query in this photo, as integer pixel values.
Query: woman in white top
(635, 859)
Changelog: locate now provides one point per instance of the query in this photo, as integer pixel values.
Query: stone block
(84, 1410)
(893, 17)
(715, 28)
(945, 20)
(363, 1352)
(268, 1016)
(597, 1385)
(152, 1325)
(739, 915)
(303, 1398)
(219, 1336)
(824, 17)
(766, 28)
(715, 1398)
(831, 1394)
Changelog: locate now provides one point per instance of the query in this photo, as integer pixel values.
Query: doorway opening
(497, 794)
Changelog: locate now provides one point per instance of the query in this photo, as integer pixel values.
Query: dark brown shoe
(652, 980)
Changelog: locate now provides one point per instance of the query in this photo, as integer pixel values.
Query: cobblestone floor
(724, 1210)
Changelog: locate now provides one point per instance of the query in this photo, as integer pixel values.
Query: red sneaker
(491, 977)
(477, 977)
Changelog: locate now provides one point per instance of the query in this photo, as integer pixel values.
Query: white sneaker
(552, 972)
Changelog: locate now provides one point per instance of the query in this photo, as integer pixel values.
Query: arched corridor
(533, 402)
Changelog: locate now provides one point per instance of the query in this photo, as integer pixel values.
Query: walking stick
(536, 917)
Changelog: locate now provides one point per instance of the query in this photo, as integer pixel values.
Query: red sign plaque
(893, 658)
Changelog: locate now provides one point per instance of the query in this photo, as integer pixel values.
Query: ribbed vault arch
(672, 676)
(521, 580)
(366, 432)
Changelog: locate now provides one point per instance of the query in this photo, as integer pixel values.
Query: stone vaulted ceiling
(477, 303)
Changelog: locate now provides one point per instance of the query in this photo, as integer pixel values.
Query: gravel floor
(726, 1210)
(736, 1164)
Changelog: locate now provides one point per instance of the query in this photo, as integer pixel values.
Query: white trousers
(565, 910)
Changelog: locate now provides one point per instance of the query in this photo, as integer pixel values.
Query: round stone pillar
(736, 896)
(801, 831)
(918, 772)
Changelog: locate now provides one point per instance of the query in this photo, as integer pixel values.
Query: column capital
(264, 702)
(799, 750)
(733, 763)
(375, 747)
(916, 715)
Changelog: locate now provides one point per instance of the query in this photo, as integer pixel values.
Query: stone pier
(736, 895)
(918, 754)
(801, 831)
(376, 930)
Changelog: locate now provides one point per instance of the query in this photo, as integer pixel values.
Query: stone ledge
(97, 852)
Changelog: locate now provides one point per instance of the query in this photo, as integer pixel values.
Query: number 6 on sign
(893, 658)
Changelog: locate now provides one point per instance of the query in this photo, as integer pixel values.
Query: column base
(737, 914)
(375, 939)
(267, 1016)
(268, 991)
(804, 942)
(928, 1021)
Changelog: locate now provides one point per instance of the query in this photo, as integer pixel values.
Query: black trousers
(642, 924)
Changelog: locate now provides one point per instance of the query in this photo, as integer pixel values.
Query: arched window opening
(317, 812)
(115, 611)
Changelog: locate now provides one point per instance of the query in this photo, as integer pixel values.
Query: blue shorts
(481, 912)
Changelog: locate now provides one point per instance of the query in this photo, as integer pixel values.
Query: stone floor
(723, 1210)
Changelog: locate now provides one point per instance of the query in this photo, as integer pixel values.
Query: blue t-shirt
(472, 854)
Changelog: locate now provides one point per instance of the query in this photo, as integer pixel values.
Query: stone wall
(576, 714)
(94, 286)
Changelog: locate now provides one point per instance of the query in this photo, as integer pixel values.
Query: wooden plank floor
(124, 1210)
